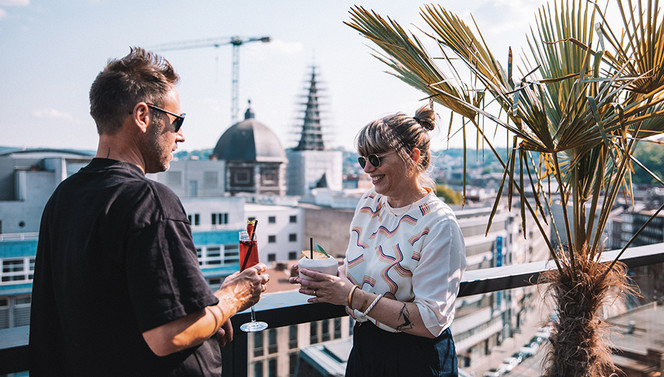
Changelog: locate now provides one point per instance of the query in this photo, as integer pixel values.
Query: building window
(17, 269)
(211, 256)
(272, 219)
(337, 328)
(292, 219)
(269, 176)
(219, 218)
(272, 341)
(292, 336)
(242, 176)
(4, 313)
(272, 367)
(193, 188)
(258, 344)
(231, 253)
(271, 257)
(271, 239)
(292, 255)
(326, 330)
(194, 219)
(313, 333)
(258, 369)
(292, 237)
(22, 311)
(174, 178)
(292, 363)
(210, 179)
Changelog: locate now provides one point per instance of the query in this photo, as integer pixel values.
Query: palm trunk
(579, 345)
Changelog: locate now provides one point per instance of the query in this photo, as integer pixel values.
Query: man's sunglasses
(374, 159)
(179, 119)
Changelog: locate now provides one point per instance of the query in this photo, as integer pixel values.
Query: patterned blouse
(414, 253)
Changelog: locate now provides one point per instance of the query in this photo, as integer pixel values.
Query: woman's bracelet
(366, 312)
(350, 296)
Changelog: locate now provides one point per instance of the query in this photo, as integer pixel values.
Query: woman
(404, 260)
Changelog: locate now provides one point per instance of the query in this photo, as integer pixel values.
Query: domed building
(255, 161)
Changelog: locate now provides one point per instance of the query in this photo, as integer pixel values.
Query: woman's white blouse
(412, 254)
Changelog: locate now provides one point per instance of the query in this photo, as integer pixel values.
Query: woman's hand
(325, 288)
(294, 274)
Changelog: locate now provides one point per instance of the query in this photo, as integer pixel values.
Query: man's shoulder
(125, 186)
(156, 200)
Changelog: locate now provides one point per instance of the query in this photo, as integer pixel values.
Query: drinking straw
(311, 247)
(251, 245)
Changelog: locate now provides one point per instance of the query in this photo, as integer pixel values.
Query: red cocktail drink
(248, 253)
(248, 259)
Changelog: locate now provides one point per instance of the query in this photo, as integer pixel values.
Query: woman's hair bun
(426, 117)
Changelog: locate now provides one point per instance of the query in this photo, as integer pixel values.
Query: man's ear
(140, 116)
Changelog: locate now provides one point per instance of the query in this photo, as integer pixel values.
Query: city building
(194, 178)
(27, 179)
(255, 159)
(310, 164)
(624, 226)
(637, 341)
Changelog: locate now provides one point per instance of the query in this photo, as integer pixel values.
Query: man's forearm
(194, 328)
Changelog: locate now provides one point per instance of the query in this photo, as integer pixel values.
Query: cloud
(14, 3)
(285, 47)
(276, 47)
(51, 114)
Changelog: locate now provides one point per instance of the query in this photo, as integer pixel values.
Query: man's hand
(246, 286)
(225, 333)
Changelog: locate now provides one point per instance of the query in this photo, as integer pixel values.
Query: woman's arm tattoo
(405, 314)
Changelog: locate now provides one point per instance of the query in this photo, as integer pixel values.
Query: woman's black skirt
(381, 353)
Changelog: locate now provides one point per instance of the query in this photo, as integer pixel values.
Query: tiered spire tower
(311, 138)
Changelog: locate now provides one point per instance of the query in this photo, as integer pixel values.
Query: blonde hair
(401, 133)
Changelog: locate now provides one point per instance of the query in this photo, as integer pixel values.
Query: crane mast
(236, 42)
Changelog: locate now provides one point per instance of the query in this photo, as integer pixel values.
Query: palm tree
(586, 96)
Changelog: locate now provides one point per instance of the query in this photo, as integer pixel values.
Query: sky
(52, 51)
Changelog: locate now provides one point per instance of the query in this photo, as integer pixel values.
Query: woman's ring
(315, 293)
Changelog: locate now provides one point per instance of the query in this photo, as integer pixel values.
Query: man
(117, 288)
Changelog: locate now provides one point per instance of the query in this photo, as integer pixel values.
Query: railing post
(234, 356)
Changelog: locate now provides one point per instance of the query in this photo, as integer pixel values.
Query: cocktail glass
(249, 258)
(327, 265)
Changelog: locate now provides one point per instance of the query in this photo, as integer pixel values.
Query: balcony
(288, 308)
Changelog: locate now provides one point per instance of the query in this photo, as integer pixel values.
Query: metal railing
(289, 308)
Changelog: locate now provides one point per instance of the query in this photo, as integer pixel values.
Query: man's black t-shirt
(115, 258)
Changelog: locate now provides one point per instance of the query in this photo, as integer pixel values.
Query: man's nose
(179, 136)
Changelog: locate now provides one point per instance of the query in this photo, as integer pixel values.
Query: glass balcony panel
(502, 324)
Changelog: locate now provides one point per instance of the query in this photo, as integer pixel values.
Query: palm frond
(410, 61)
(587, 95)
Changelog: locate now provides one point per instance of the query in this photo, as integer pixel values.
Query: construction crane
(236, 42)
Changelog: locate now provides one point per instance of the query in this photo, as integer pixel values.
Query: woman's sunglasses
(374, 159)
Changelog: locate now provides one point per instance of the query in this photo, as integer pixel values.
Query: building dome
(249, 140)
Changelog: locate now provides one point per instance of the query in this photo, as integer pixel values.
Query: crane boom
(236, 42)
